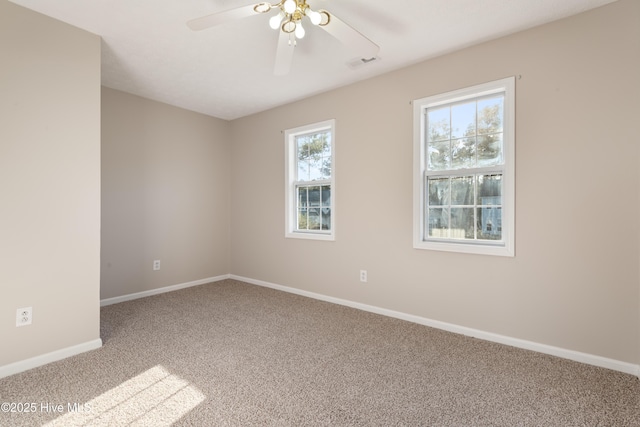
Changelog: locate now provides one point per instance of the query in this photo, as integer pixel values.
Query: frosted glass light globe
(290, 6)
(314, 17)
(275, 20)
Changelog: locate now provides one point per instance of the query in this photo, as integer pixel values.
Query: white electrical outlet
(156, 265)
(363, 276)
(24, 316)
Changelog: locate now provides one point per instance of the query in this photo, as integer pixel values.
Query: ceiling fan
(288, 20)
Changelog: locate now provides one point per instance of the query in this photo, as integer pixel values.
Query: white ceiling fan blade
(284, 54)
(221, 17)
(350, 37)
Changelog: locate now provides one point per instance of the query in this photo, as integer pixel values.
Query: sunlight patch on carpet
(154, 398)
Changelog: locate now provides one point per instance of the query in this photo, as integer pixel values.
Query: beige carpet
(234, 354)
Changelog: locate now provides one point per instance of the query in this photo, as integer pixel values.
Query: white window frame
(291, 182)
(506, 247)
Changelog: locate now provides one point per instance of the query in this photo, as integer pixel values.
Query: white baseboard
(590, 359)
(43, 359)
(129, 297)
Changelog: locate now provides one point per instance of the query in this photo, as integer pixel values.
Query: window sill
(467, 248)
(310, 236)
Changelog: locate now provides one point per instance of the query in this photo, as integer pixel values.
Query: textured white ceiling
(227, 71)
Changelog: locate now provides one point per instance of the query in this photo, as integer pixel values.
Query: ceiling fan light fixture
(288, 18)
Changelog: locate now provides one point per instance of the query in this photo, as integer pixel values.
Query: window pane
(303, 203)
(326, 144)
(462, 190)
(490, 115)
(463, 120)
(490, 223)
(326, 167)
(463, 153)
(303, 197)
(490, 150)
(311, 216)
(302, 155)
(461, 223)
(303, 170)
(439, 155)
(314, 196)
(302, 144)
(438, 122)
(326, 195)
(438, 191)
(438, 222)
(452, 203)
(313, 222)
(302, 218)
(314, 156)
(489, 189)
(315, 169)
(325, 214)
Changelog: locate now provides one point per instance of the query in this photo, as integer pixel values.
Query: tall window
(464, 170)
(310, 181)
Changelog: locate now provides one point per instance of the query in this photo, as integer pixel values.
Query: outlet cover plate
(24, 316)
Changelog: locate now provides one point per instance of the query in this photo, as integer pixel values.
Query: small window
(310, 181)
(464, 170)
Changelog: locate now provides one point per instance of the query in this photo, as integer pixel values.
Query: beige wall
(49, 184)
(165, 195)
(574, 282)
